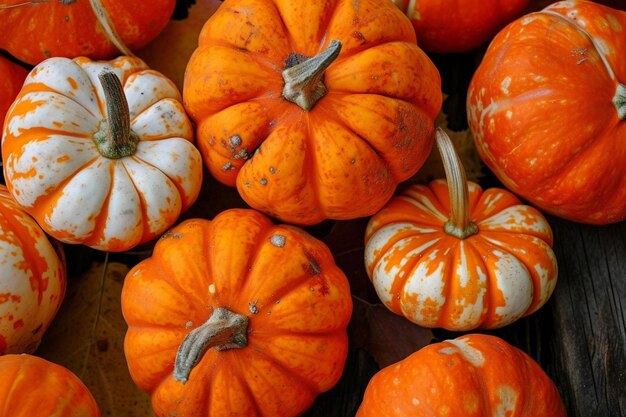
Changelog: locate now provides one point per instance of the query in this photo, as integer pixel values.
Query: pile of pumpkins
(314, 110)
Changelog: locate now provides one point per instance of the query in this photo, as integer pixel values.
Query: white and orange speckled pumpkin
(486, 265)
(32, 279)
(97, 161)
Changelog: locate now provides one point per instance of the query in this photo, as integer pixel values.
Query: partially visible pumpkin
(100, 153)
(32, 279)
(11, 78)
(33, 387)
(547, 107)
(236, 317)
(471, 376)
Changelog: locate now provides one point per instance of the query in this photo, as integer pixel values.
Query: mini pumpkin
(471, 376)
(11, 78)
(450, 255)
(317, 120)
(236, 316)
(33, 387)
(100, 153)
(547, 107)
(32, 279)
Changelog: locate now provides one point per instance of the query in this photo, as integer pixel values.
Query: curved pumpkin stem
(303, 76)
(114, 139)
(459, 223)
(223, 330)
(105, 21)
(620, 101)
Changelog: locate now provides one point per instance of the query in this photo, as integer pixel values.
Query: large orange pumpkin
(11, 79)
(471, 376)
(547, 107)
(33, 387)
(313, 110)
(236, 317)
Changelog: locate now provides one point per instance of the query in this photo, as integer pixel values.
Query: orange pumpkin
(34, 31)
(11, 79)
(236, 316)
(471, 376)
(317, 120)
(33, 387)
(450, 255)
(32, 279)
(457, 26)
(547, 107)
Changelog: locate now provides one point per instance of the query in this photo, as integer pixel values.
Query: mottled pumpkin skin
(35, 32)
(459, 25)
(542, 112)
(32, 279)
(505, 271)
(11, 79)
(471, 376)
(33, 387)
(297, 301)
(344, 157)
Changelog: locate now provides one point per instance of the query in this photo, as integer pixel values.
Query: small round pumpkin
(100, 152)
(450, 255)
(11, 78)
(236, 316)
(32, 279)
(314, 110)
(33, 387)
(471, 376)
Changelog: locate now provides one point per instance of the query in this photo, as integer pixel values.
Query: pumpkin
(32, 279)
(236, 317)
(457, 26)
(547, 106)
(471, 376)
(454, 256)
(100, 153)
(99, 29)
(317, 120)
(33, 387)
(11, 78)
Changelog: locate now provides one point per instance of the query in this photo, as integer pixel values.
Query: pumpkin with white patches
(100, 153)
(471, 376)
(453, 256)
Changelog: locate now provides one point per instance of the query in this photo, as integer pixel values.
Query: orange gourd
(314, 110)
(236, 316)
(33, 387)
(547, 107)
(471, 376)
(11, 79)
(32, 279)
(35, 31)
(454, 256)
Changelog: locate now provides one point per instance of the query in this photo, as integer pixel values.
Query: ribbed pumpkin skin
(344, 157)
(490, 279)
(297, 301)
(471, 376)
(32, 279)
(541, 110)
(11, 79)
(35, 32)
(33, 387)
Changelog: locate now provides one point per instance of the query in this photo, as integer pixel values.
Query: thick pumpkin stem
(114, 139)
(620, 101)
(223, 330)
(303, 81)
(459, 223)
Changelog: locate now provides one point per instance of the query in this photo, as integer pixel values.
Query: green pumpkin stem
(620, 101)
(459, 224)
(222, 331)
(303, 81)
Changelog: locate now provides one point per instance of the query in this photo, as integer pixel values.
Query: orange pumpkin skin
(297, 302)
(35, 32)
(11, 78)
(546, 108)
(33, 387)
(459, 25)
(342, 158)
(471, 376)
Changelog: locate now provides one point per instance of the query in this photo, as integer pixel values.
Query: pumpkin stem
(109, 29)
(303, 81)
(459, 223)
(223, 330)
(620, 101)
(114, 138)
